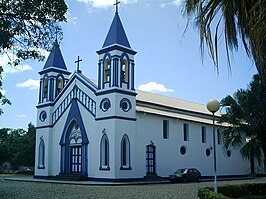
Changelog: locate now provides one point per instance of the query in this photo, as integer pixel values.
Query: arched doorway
(150, 159)
(75, 140)
(74, 150)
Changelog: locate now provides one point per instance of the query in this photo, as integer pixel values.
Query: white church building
(106, 130)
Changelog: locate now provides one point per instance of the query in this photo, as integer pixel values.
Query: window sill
(105, 168)
(125, 168)
(41, 167)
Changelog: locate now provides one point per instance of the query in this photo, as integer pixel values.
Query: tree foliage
(244, 20)
(246, 118)
(26, 28)
(239, 22)
(26, 25)
(17, 146)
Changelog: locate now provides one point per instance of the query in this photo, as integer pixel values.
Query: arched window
(106, 72)
(59, 85)
(45, 87)
(125, 71)
(104, 153)
(125, 153)
(41, 154)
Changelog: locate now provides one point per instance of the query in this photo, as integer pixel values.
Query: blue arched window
(125, 68)
(45, 87)
(104, 153)
(125, 153)
(106, 70)
(41, 155)
(59, 84)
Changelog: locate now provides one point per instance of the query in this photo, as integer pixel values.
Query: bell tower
(53, 76)
(117, 100)
(116, 59)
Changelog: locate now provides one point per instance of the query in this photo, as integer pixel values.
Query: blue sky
(167, 62)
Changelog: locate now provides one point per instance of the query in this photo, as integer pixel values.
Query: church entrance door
(75, 159)
(150, 159)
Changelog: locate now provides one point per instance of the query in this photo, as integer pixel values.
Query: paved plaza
(41, 189)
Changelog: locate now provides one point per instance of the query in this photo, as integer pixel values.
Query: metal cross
(79, 60)
(116, 6)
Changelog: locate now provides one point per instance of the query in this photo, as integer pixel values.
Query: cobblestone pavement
(21, 190)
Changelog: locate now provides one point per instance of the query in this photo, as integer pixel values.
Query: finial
(79, 60)
(116, 6)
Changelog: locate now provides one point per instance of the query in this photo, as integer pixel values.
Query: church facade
(106, 130)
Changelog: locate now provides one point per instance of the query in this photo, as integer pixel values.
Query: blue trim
(116, 47)
(128, 158)
(115, 72)
(115, 90)
(116, 117)
(78, 94)
(88, 84)
(53, 69)
(42, 127)
(40, 92)
(121, 70)
(128, 103)
(51, 89)
(105, 100)
(99, 75)
(74, 116)
(110, 69)
(132, 76)
(45, 77)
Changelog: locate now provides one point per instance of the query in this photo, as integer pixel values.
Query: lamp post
(213, 106)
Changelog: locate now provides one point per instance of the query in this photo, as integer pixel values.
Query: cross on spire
(79, 60)
(116, 6)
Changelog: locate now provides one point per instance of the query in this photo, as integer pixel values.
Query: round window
(125, 104)
(208, 152)
(43, 116)
(105, 104)
(183, 150)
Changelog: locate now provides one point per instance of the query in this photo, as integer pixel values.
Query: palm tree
(243, 20)
(246, 118)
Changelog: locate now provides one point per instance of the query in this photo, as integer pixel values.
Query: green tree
(236, 20)
(26, 26)
(18, 146)
(246, 118)
(3, 145)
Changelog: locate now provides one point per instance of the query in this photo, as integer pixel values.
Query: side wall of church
(168, 151)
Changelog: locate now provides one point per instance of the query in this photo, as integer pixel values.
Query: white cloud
(15, 69)
(30, 83)
(21, 115)
(104, 3)
(154, 87)
(71, 19)
(6, 60)
(174, 2)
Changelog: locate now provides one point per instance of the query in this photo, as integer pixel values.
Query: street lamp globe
(213, 106)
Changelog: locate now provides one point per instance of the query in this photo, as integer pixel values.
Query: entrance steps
(153, 177)
(69, 177)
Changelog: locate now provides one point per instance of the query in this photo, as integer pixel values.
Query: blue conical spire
(55, 58)
(116, 34)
